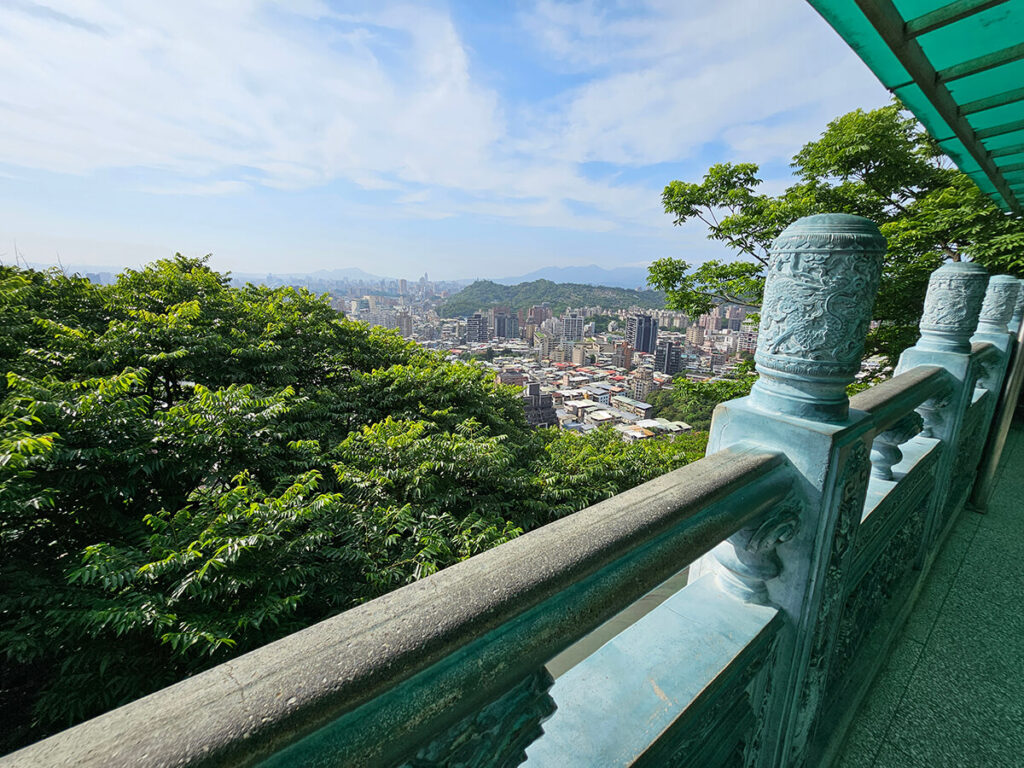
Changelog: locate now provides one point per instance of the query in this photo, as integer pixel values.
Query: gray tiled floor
(952, 692)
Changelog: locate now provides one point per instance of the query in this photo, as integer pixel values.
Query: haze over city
(300, 136)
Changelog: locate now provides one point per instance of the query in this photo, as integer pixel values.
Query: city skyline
(454, 137)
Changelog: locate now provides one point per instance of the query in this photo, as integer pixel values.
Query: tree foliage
(484, 293)
(880, 164)
(694, 401)
(189, 470)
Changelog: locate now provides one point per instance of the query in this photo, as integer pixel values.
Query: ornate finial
(955, 293)
(818, 295)
(1000, 300)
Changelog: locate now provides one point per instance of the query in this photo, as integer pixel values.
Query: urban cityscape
(579, 369)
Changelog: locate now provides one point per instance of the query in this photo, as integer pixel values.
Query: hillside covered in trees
(189, 470)
(484, 294)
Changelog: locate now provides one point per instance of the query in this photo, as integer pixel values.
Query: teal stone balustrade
(807, 532)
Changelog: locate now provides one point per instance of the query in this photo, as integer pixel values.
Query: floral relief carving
(881, 584)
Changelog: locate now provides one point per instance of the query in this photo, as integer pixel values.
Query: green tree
(880, 164)
(695, 401)
(189, 470)
(522, 296)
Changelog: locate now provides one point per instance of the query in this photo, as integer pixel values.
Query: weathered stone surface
(815, 547)
(820, 288)
(955, 294)
(521, 603)
(1000, 301)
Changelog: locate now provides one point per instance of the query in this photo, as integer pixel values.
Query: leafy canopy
(190, 470)
(484, 293)
(880, 164)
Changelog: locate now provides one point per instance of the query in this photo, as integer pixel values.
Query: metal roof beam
(998, 100)
(1014, 149)
(947, 14)
(999, 130)
(981, 63)
(886, 20)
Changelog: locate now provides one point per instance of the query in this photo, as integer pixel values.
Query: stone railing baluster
(822, 277)
(885, 450)
(748, 560)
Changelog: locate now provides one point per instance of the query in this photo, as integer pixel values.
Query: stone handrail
(811, 525)
(516, 605)
(891, 400)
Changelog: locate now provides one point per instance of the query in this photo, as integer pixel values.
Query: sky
(476, 138)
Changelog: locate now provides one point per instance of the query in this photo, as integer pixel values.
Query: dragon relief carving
(816, 311)
(953, 302)
(1000, 300)
(1018, 308)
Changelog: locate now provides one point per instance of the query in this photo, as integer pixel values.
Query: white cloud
(292, 95)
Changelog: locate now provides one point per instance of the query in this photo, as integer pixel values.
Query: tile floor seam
(883, 739)
(924, 644)
(886, 748)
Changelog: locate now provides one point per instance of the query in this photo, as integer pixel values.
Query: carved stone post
(951, 308)
(1018, 310)
(996, 313)
(822, 277)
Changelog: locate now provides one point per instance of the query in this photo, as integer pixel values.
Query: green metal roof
(959, 67)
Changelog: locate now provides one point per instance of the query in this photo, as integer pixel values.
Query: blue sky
(477, 138)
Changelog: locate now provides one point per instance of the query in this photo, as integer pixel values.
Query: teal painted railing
(807, 530)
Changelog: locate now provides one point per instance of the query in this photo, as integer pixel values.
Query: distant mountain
(322, 276)
(619, 277)
(348, 273)
(484, 294)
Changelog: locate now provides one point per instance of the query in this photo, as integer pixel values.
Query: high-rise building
(642, 332)
(539, 410)
(622, 357)
(538, 314)
(641, 384)
(506, 326)
(668, 358)
(402, 287)
(572, 326)
(476, 329)
(405, 324)
(546, 346)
